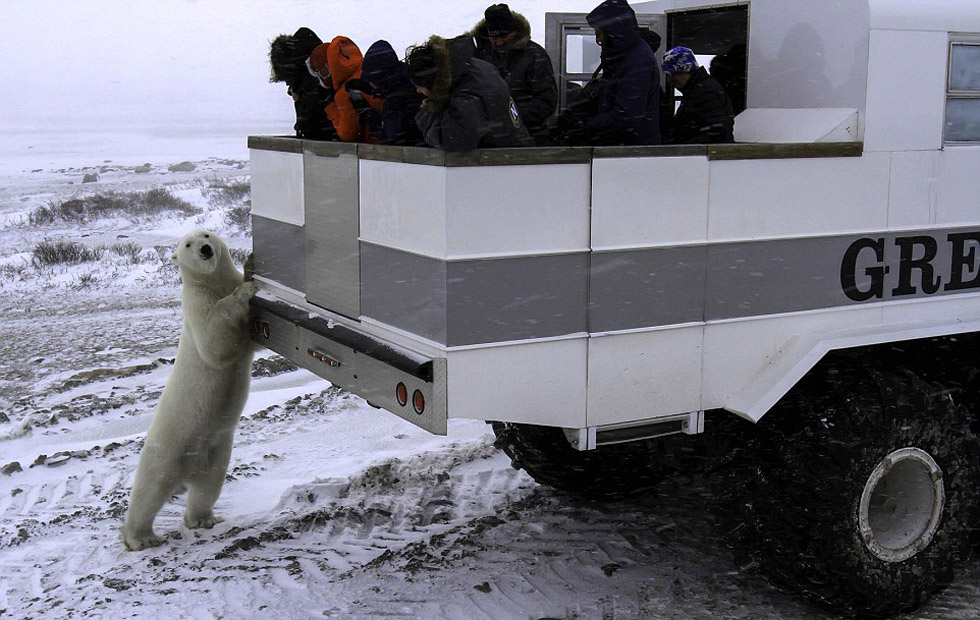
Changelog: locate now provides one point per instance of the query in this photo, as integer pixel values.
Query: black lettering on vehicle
(848, 270)
(908, 263)
(964, 261)
(868, 261)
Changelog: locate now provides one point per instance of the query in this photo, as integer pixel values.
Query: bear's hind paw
(138, 543)
(203, 523)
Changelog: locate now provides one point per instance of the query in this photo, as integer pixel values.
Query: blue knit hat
(679, 60)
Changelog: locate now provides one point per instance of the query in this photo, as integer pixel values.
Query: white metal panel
(649, 201)
(807, 54)
(404, 206)
(915, 180)
(797, 125)
(750, 364)
(644, 374)
(959, 187)
(758, 198)
(506, 210)
(535, 383)
(277, 186)
(906, 91)
(944, 16)
(947, 314)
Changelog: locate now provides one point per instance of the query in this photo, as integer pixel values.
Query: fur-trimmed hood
(479, 32)
(451, 57)
(288, 54)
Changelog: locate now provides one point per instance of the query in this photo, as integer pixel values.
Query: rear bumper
(406, 383)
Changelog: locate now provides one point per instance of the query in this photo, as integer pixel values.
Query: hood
(652, 38)
(342, 58)
(461, 50)
(617, 20)
(382, 69)
(288, 54)
(479, 32)
(452, 57)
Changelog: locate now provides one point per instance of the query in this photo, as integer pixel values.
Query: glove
(356, 94)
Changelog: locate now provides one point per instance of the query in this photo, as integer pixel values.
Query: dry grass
(48, 253)
(108, 204)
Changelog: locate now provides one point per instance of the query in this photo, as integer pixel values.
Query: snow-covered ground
(333, 509)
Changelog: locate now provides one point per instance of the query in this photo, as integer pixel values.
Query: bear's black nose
(206, 251)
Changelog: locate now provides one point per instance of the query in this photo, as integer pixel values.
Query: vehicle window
(581, 53)
(963, 92)
(715, 32)
(570, 42)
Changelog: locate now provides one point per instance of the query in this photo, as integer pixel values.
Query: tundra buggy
(805, 302)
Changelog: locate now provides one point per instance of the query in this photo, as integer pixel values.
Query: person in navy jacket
(388, 77)
(628, 94)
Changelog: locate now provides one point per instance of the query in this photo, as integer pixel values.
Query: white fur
(189, 441)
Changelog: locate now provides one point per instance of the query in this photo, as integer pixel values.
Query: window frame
(955, 39)
(558, 26)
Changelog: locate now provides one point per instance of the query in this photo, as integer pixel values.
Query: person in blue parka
(628, 93)
(705, 115)
(388, 77)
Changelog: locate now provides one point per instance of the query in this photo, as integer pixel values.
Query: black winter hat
(500, 20)
(381, 65)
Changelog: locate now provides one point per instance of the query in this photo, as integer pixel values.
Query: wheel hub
(901, 505)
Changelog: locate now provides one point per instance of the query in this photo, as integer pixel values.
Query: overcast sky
(176, 64)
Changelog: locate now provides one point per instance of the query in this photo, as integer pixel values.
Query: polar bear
(189, 441)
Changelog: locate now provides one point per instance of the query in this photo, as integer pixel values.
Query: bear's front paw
(246, 290)
(202, 522)
(138, 543)
(248, 268)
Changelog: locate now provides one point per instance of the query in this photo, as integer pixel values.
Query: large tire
(858, 489)
(606, 473)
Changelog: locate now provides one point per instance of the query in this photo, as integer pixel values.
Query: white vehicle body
(604, 289)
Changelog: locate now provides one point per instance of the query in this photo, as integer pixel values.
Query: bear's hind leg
(204, 488)
(145, 501)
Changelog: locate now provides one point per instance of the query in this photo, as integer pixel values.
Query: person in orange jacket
(338, 66)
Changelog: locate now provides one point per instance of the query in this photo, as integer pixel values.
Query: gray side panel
(475, 301)
(769, 277)
(642, 288)
(404, 290)
(274, 245)
(333, 226)
(517, 298)
(498, 300)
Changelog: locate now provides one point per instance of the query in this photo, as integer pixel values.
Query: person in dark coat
(705, 115)
(287, 57)
(729, 70)
(468, 104)
(628, 97)
(388, 78)
(504, 40)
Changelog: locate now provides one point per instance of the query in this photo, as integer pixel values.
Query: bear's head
(202, 254)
